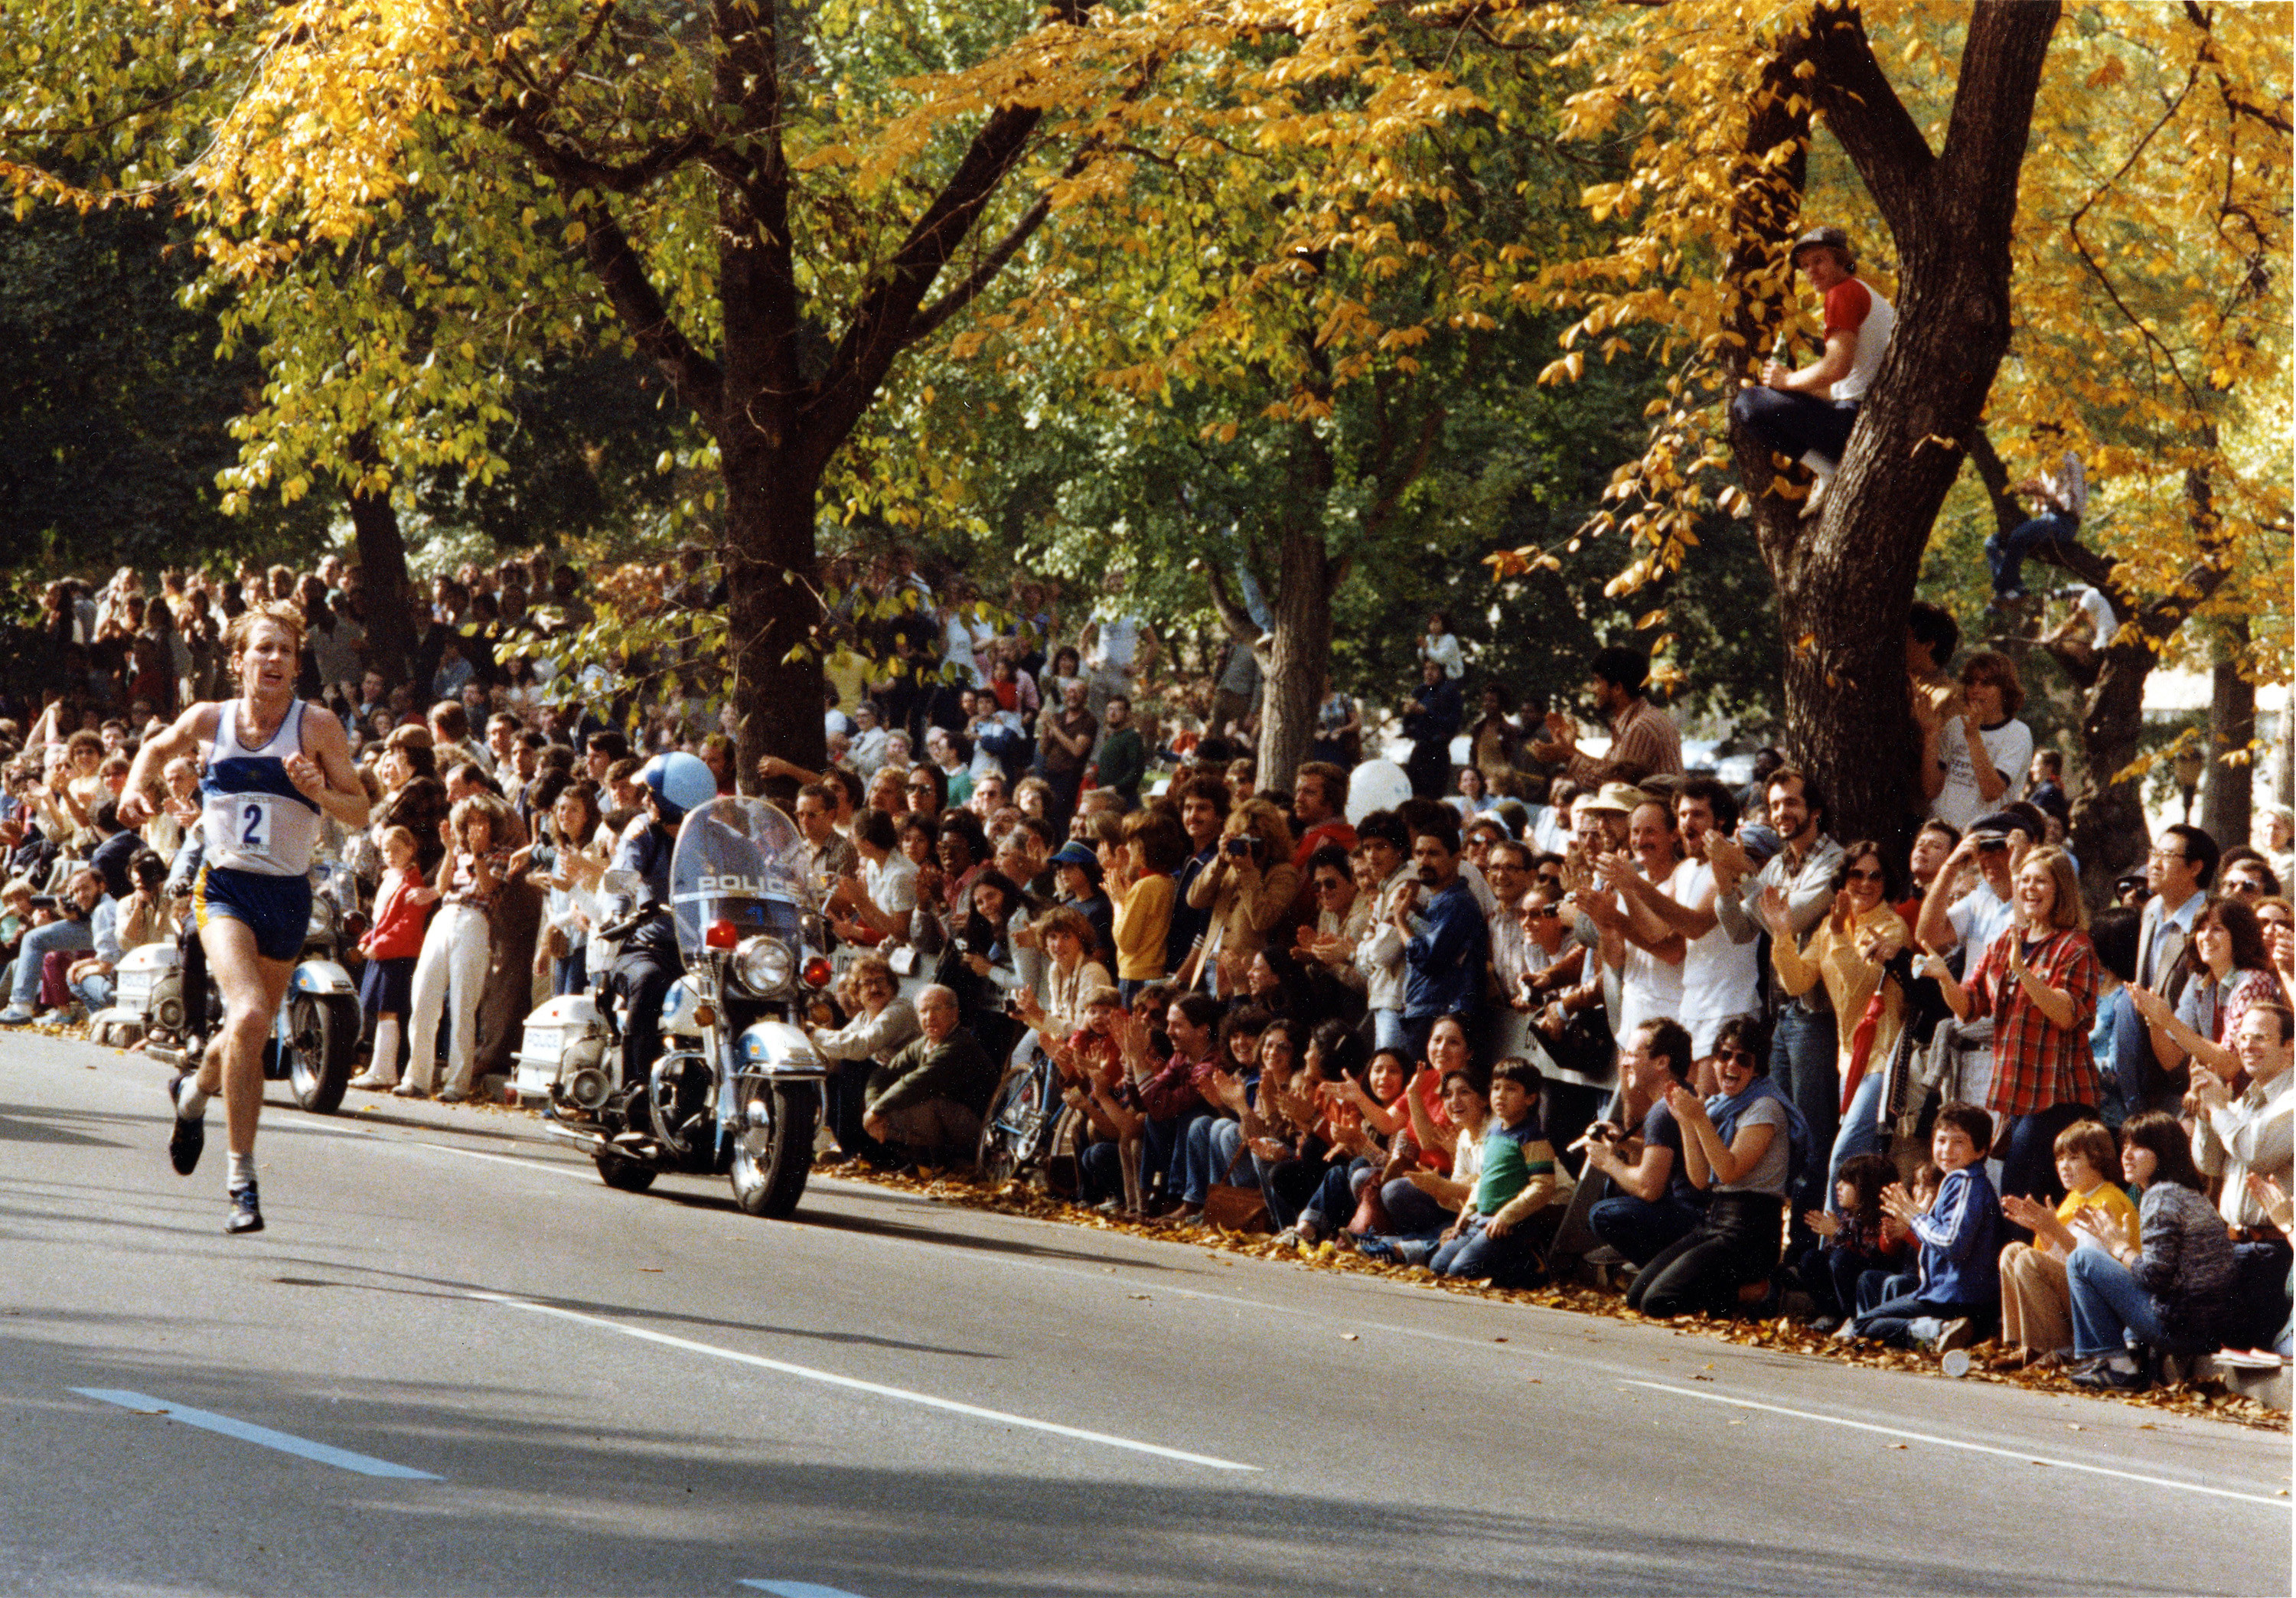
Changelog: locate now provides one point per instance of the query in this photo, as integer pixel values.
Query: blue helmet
(679, 783)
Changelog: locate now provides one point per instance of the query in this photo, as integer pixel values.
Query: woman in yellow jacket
(1141, 885)
(1845, 952)
(1248, 888)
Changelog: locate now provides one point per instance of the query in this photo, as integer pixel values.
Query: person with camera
(1996, 846)
(1653, 1202)
(1445, 938)
(1248, 889)
(87, 921)
(275, 772)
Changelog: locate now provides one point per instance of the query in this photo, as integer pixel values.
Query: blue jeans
(1804, 1064)
(1334, 1203)
(1890, 1319)
(1387, 1030)
(1475, 1254)
(94, 992)
(1100, 1172)
(1211, 1143)
(1416, 1030)
(2005, 552)
(2109, 1310)
(41, 941)
(1411, 1213)
(1861, 1133)
(1168, 1150)
(571, 973)
(1639, 1229)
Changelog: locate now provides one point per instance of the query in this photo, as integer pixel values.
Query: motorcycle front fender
(776, 1049)
(321, 977)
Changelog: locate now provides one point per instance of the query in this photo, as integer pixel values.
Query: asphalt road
(473, 1368)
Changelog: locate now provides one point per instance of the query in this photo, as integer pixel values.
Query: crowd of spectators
(1560, 998)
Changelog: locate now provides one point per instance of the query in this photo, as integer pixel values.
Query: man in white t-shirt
(1983, 752)
(1721, 979)
(1636, 942)
(1998, 845)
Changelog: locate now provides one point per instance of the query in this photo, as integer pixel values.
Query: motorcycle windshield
(736, 862)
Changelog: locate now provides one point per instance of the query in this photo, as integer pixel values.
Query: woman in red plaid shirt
(2038, 980)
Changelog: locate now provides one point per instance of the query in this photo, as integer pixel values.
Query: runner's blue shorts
(277, 909)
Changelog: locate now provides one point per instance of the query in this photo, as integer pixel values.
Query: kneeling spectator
(2036, 1305)
(928, 1099)
(1741, 1147)
(2173, 1290)
(1498, 1235)
(1656, 1204)
(1959, 1288)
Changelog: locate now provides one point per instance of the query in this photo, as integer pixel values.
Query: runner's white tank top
(256, 819)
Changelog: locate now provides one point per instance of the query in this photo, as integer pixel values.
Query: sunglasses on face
(1865, 876)
(1735, 1056)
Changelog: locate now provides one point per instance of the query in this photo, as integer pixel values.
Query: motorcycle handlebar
(630, 922)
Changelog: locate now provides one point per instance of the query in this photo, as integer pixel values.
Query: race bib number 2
(251, 831)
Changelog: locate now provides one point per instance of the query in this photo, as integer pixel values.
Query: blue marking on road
(795, 1589)
(342, 1459)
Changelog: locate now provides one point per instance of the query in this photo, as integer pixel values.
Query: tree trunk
(769, 565)
(382, 574)
(1845, 576)
(2109, 833)
(1300, 658)
(2226, 800)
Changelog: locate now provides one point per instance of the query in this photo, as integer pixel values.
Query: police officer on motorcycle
(649, 963)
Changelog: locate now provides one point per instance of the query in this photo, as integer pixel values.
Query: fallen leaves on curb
(1780, 1334)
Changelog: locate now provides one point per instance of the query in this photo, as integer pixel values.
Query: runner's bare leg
(251, 988)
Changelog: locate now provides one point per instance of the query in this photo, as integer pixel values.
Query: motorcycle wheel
(322, 1032)
(623, 1173)
(771, 1162)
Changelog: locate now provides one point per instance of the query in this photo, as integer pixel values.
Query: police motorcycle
(164, 990)
(736, 1087)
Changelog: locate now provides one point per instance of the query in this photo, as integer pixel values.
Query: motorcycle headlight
(764, 965)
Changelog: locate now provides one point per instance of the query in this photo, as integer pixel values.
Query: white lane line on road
(521, 1161)
(342, 1459)
(1949, 1442)
(882, 1391)
(794, 1589)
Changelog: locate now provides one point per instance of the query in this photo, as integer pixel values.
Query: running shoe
(246, 1214)
(191, 1133)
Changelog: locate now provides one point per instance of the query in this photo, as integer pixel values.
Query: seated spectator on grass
(1958, 1290)
(2036, 1305)
(1498, 1236)
(2171, 1291)
(1854, 1239)
(882, 1024)
(926, 1103)
(1740, 1148)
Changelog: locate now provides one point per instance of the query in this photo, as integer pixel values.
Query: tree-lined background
(1399, 306)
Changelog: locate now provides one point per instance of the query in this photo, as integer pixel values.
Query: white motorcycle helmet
(679, 783)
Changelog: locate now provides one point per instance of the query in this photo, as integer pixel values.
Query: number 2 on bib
(255, 827)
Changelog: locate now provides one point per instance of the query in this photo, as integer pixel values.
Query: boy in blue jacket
(1960, 1238)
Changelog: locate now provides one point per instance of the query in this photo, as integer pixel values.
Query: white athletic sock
(1824, 465)
(241, 1170)
(190, 1104)
(385, 1062)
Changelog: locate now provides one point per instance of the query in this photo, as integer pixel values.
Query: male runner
(275, 767)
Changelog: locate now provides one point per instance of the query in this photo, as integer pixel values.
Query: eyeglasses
(1735, 1056)
(2164, 855)
(1861, 876)
(1329, 885)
